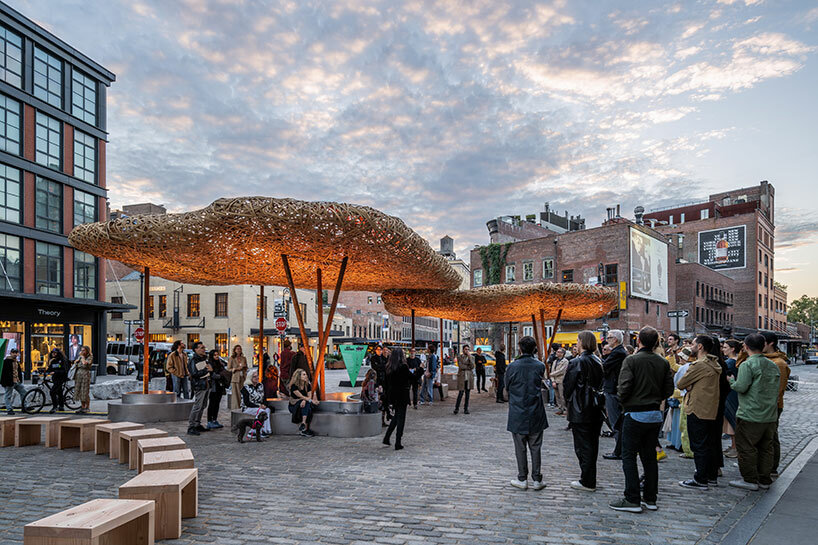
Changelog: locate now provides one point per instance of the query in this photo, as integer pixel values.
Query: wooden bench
(107, 437)
(168, 459)
(176, 493)
(157, 444)
(120, 522)
(27, 431)
(127, 443)
(7, 429)
(80, 433)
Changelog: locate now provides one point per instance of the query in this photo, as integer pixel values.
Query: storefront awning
(45, 300)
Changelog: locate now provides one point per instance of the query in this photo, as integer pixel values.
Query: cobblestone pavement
(450, 485)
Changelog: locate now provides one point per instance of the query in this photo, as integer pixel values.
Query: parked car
(112, 365)
(811, 356)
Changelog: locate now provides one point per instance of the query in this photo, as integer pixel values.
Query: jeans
(701, 434)
(397, 423)
(9, 396)
(481, 378)
(199, 405)
(776, 444)
(559, 399)
(754, 443)
(427, 394)
(415, 387)
(640, 439)
(614, 410)
(586, 447)
(501, 385)
(534, 443)
(459, 398)
(213, 406)
(306, 410)
(180, 387)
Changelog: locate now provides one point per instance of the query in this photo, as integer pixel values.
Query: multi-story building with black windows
(52, 177)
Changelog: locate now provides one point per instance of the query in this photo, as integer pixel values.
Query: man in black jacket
(500, 372)
(416, 369)
(644, 382)
(200, 382)
(611, 366)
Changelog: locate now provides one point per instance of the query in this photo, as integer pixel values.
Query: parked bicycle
(40, 396)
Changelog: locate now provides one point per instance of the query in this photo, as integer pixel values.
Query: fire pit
(154, 406)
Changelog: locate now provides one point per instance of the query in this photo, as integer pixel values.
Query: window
(150, 306)
(611, 275)
(568, 275)
(528, 331)
(48, 205)
(680, 239)
(48, 265)
(647, 307)
(116, 315)
(705, 214)
(49, 141)
(478, 277)
(766, 280)
(682, 218)
(759, 322)
(510, 273)
(11, 57)
(697, 314)
(85, 207)
(670, 220)
(258, 310)
(528, 271)
(84, 97)
(766, 261)
(163, 306)
(369, 300)
(192, 338)
(47, 77)
(697, 288)
(9, 125)
(12, 262)
(85, 275)
(547, 269)
(759, 256)
(193, 307)
(220, 343)
(759, 278)
(380, 301)
(85, 157)
(10, 201)
(221, 305)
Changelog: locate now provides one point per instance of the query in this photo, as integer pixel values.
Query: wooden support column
(319, 296)
(553, 336)
(413, 329)
(536, 335)
(508, 346)
(441, 351)
(301, 327)
(146, 354)
(547, 348)
(324, 336)
(261, 308)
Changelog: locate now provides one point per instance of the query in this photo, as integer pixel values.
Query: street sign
(677, 324)
(279, 309)
(139, 334)
(678, 314)
(281, 325)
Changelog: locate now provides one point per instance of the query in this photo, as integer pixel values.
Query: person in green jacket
(757, 388)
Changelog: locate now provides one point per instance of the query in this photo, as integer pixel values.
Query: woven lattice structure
(505, 303)
(240, 241)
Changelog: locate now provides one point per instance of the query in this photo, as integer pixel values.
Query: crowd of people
(694, 392)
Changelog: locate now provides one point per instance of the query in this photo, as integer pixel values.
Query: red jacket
(284, 364)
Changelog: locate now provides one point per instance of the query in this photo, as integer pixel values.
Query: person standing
(731, 349)
(526, 413)
(684, 357)
(237, 365)
(218, 387)
(774, 354)
(427, 387)
(58, 367)
(399, 379)
(645, 380)
(465, 379)
(611, 366)
(177, 366)
(377, 361)
(757, 416)
(285, 365)
(82, 379)
(500, 371)
(480, 369)
(10, 380)
(416, 370)
(557, 376)
(583, 383)
(199, 371)
(702, 407)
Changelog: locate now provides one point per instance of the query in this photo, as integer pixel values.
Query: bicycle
(40, 396)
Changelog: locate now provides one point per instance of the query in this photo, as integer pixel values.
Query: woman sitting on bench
(253, 401)
(301, 406)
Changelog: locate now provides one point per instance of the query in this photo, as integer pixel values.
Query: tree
(804, 310)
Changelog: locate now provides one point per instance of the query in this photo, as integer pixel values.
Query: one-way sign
(678, 314)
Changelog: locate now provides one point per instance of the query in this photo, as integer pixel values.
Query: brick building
(52, 177)
(707, 296)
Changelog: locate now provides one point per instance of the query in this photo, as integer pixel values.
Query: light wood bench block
(168, 459)
(27, 431)
(176, 493)
(158, 444)
(7, 429)
(97, 522)
(127, 443)
(107, 437)
(79, 432)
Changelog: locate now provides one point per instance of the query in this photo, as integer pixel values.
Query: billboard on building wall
(724, 248)
(649, 272)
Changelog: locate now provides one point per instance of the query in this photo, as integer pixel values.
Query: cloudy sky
(450, 113)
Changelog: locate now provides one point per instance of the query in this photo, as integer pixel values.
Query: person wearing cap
(10, 380)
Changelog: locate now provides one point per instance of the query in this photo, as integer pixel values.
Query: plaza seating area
(150, 506)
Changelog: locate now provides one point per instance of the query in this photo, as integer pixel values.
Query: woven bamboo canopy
(505, 302)
(241, 241)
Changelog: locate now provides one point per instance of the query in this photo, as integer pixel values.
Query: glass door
(44, 339)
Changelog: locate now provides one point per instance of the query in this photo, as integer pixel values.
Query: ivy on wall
(493, 258)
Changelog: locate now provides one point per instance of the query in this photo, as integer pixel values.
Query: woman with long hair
(731, 349)
(82, 379)
(369, 392)
(253, 401)
(301, 405)
(399, 379)
(237, 365)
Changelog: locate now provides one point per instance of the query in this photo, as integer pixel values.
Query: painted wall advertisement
(649, 272)
(724, 248)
